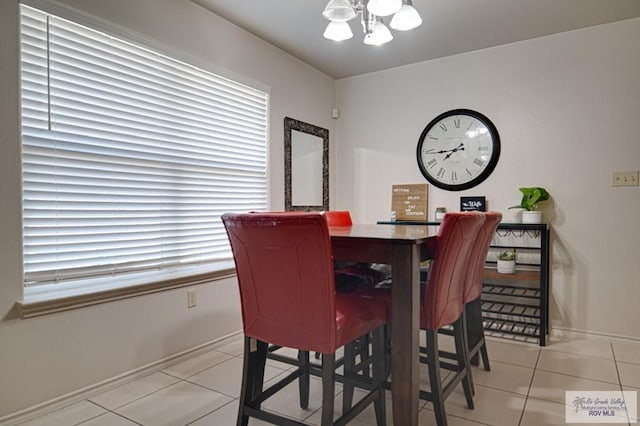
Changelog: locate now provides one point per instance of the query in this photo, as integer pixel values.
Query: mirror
(306, 162)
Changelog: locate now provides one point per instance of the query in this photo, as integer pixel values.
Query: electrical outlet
(625, 178)
(192, 298)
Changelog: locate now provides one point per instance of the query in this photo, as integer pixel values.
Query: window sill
(43, 303)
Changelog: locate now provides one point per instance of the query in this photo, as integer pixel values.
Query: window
(129, 156)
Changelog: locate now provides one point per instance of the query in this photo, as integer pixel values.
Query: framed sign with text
(409, 202)
(470, 204)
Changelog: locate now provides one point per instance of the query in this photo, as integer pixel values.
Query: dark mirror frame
(293, 124)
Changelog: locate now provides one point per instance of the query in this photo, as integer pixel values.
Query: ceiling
(449, 27)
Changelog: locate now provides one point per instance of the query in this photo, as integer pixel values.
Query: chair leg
(359, 348)
(475, 329)
(462, 354)
(462, 323)
(437, 395)
(485, 356)
(254, 360)
(348, 366)
(363, 351)
(303, 380)
(379, 374)
(387, 340)
(328, 388)
(243, 420)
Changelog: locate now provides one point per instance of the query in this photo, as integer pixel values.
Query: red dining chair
(348, 277)
(442, 304)
(285, 274)
(474, 329)
(339, 218)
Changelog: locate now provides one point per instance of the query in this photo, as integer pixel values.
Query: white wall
(566, 107)
(46, 357)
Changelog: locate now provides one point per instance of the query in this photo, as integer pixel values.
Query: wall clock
(458, 149)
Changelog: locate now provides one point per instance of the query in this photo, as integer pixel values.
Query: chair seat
(383, 294)
(351, 276)
(355, 316)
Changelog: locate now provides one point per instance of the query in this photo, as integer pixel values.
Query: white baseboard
(113, 382)
(573, 332)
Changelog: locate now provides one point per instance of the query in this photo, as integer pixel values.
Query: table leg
(405, 324)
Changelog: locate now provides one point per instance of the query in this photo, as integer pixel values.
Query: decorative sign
(409, 202)
(470, 204)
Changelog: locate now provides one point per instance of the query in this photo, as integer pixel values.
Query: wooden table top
(406, 233)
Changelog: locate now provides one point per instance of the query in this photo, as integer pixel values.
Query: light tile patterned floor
(525, 387)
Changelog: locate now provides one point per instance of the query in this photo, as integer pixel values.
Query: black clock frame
(491, 165)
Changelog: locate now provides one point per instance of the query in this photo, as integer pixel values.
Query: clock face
(458, 149)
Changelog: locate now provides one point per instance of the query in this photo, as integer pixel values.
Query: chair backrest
(338, 218)
(286, 278)
(478, 257)
(444, 296)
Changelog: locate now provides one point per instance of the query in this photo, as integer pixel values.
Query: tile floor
(524, 387)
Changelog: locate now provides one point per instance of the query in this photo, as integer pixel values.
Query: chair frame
(253, 395)
(250, 236)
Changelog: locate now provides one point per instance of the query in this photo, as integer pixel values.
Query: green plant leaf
(532, 196)
(507, 255)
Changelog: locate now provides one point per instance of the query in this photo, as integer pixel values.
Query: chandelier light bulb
(339, 10)
(407, 18)
(379, 36)
(338, 31)
(384, 7)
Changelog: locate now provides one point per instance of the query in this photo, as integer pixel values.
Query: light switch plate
(625, 178)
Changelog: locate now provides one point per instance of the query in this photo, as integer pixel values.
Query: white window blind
(129, 156)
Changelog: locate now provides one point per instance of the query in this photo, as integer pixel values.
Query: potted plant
(507, 262)
(530, 199)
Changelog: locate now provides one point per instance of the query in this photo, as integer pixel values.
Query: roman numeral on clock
(441, 172)
(478, 162)
(432, 163)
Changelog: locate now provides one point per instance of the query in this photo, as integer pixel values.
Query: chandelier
(339, 12)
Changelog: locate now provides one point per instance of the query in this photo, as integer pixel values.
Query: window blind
(129, 156)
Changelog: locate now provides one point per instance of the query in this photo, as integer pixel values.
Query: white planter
(506, 266)
(533, 216)
(516, 214)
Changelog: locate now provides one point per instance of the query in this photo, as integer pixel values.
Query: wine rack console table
(515, 306)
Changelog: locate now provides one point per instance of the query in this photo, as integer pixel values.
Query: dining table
(403, 247)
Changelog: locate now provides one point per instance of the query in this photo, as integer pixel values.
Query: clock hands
(449, 152)
(431, 151)
(458, 148)
(445, 151)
